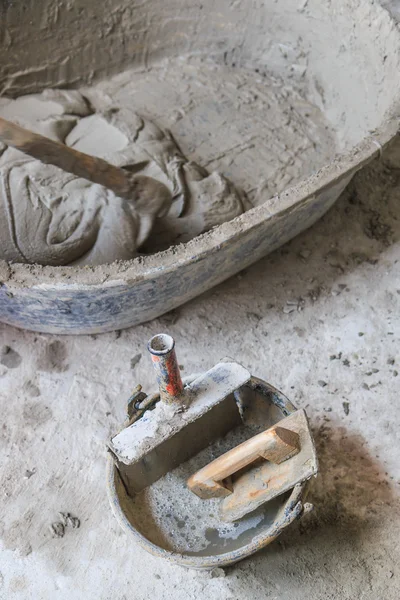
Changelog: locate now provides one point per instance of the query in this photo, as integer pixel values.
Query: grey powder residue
(54, 357)
(10, 358)
(135, 360)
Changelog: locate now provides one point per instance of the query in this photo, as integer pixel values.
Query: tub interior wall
(339, 54)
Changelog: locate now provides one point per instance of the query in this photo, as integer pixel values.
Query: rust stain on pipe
(162, 350)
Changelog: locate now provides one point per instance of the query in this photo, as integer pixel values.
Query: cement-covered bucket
(166, 527)
(344, 57)
(257, 488)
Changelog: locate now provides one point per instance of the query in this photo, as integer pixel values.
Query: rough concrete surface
(319, 319)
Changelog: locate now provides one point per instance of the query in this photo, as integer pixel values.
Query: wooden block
(276, 444)
(266, 480)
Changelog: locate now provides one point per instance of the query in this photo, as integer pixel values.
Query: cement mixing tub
(344, 56)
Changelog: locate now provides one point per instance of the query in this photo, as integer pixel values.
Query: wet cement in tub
(251, 126)
(221, 139)
(172, 517)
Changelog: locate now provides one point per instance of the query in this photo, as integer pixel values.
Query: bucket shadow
(348, 493)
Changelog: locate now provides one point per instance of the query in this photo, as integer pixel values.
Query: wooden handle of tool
(276, 445)
(54, 153)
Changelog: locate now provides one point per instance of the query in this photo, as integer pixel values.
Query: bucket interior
(169, 516)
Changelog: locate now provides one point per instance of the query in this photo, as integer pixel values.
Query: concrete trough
(343, 56)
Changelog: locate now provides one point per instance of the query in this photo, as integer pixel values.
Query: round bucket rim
(291, 510)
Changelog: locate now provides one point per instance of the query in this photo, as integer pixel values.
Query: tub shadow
(362, 225)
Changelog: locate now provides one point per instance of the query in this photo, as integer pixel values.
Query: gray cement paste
(171, 516)
(253, 134)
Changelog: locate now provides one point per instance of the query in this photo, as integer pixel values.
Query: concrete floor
(320, 320)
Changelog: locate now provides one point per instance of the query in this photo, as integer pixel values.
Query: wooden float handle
(276, 444)
(54, 153)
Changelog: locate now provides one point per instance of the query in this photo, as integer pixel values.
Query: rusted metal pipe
(162, 350)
